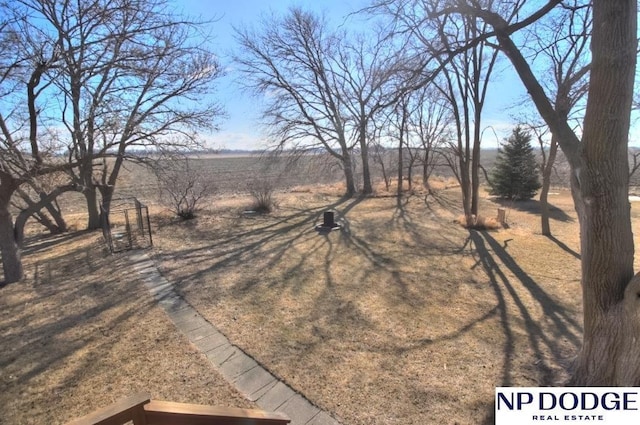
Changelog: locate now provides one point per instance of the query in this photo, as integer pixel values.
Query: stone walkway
(242, 371)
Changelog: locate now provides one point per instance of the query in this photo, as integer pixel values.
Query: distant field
(233, 173)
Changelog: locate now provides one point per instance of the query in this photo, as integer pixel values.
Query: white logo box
(567, 405)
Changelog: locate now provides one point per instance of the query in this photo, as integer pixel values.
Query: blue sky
(240, 130)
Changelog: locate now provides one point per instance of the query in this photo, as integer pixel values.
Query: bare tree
(290, 61)
(385, 160)
(23, 157)
(465, 69)
(600, 176)
(369, 72)
(429, 125)
(467, 80)
(126, 70)
(392, 126)
(562, 44)
(418, 122)
(112, 74)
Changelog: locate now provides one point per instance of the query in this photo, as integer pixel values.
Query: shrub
(261, 190)
(182, 187)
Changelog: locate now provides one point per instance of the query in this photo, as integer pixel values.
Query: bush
(515, 174)
(182, 187)
(261, 190)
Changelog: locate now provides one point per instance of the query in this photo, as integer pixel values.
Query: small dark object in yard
(328, 223)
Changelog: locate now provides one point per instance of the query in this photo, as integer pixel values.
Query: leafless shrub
(261, 190)
(182, 186)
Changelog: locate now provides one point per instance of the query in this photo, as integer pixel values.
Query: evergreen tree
(515, 174)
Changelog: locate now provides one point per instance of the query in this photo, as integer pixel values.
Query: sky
(241, 130)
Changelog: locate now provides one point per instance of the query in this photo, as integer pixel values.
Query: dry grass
(401, 317)
(81, 331)
(478, 223)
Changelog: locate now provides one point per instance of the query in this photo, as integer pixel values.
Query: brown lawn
(400, 317)
(81, 331)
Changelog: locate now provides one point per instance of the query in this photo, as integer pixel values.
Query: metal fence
(126, 225)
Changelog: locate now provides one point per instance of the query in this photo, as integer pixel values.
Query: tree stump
(502, 217)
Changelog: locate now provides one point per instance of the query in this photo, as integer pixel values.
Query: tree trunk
(608, 356)
(56, 214)
(386, 178)
(383, 170)
(348, 174)
(600, 178)
(401, 137)
(35, 209)
(611, 298)
(475, 164)
(106, 192)
(42, 218)
(425, 169)
(400, 165)
(410, 171)
(24, 215)
(546, 184)
(465, 188)
(367, 189)
(91, 195)
(11, 261)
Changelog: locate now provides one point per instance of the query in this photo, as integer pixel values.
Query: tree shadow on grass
(444, 199)
(269, 241)
(564, 246)
(437, 242)
(494, 259)
(533, 206)
(42, 242)
(64, 316)
(279, 234)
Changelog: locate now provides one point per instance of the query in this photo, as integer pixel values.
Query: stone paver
(199, 333)
(276, 397)
(254, 383)
(240, 369)
(192, 323)
(299, 410)
(237, 365)
(211, 342)
(323, 418)
(221, 354)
